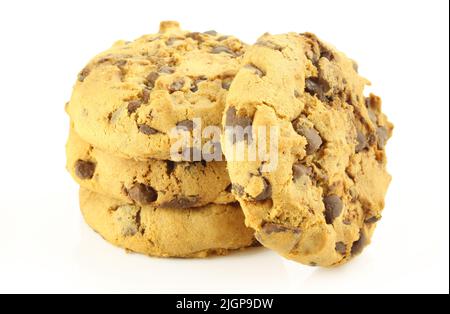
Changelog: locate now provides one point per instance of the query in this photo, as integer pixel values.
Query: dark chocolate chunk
(361, 142)
(133, 106)
(312, 137)
(176, 86)
(147, 130)
(143, 194)
(341, 248)
(383, 136)
(266, 193)
(226, 83)
(318, 87)
(358, 246)
(299, 170)
(151, 79)
(145, 97)
(170, 167)
(166, 70)
(84, 169)
(372, 220)
(222, 49)
(333, 208)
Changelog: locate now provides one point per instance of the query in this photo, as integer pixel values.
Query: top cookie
(129, 98)
(317, 196)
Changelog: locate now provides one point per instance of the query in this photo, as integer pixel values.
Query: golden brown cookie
(153, 182)
(317, 199)
(129, 99)
(198, 232)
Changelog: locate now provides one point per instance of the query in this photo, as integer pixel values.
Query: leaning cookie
(198, 232)
(135, 99)
(318, 196)
(153, 182)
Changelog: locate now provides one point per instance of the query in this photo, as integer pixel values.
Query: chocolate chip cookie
(153, 182)
(198, 232)
(317, 199)
(132, 99)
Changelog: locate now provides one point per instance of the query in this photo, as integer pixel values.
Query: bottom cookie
(165, 232)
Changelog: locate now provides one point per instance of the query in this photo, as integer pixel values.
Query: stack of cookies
(153, 120)
(124, 105)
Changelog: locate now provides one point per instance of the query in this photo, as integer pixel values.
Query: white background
(401, 46)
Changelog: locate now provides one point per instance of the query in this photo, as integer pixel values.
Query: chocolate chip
(312, 137)
(211, 33)
(83, 74)
(372, 116)
(326, 53)
(333, 208)
(358, 246)
(239, 190)
(84, 169)
(186, 125)
(300, 170)
(318, 87)
(383, 136)
(257, 71)
(133, 106)
(181, 202)
(170, 167)
(145, 96)
(143, 194)
(233, 120)
(145, 129)
(151, 79)
(176, 86)
(222, 38)
(269, 228)
(194, 87)
(226, 83)
(372, 220)
(166, 70)
(222, 49)
(341, 248)
(266, 192)
(361, 142)
(296, 94)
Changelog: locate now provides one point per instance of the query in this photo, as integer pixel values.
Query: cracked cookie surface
(321, 204)
(129, 98)
(154, 182)
(164, 232)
